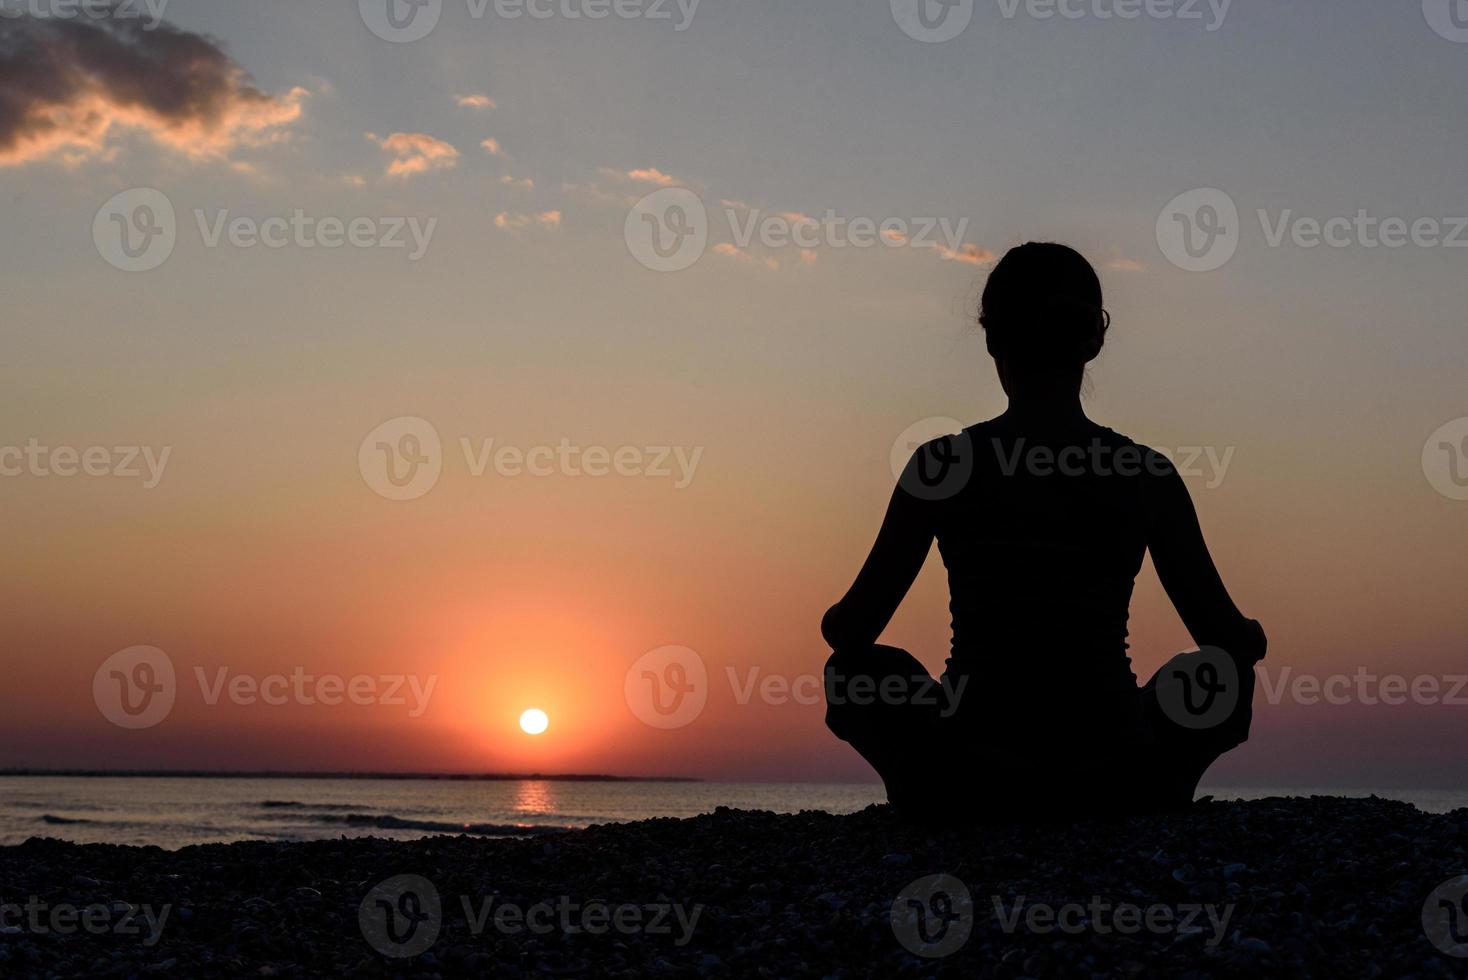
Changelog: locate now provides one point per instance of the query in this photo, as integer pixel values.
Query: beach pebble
(807, 896)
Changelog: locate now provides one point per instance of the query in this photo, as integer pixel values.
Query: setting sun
(533, 721)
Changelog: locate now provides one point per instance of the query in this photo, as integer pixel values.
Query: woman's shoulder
(1149, 461)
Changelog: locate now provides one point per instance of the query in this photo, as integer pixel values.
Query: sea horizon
(175, 810)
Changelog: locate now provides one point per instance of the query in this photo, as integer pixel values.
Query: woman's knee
(865, 685)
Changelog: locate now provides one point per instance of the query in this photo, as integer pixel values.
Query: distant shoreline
(461, 777)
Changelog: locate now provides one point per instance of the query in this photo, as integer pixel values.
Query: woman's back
(1042, 545)
(1042, 518)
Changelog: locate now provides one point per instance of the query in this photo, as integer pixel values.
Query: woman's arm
(1186, 569)
(896, 558)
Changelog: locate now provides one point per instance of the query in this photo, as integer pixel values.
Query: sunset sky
(781, 374)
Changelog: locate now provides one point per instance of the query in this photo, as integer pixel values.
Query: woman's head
(1042, 310)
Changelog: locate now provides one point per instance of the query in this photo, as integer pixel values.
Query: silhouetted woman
(1042, 518)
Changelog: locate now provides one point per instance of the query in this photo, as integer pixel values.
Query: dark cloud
(68, 85)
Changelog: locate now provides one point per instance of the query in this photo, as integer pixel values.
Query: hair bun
(1042, 304)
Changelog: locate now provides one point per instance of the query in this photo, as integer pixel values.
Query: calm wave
(175, 812)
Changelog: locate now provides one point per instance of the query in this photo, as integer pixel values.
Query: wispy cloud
(515, 221)
(1125, 265)
(492, 147)
(416, 153)
(68, 87)
(652, 175)
(523, 183)
(643, 175)
(732, 251)
(970, 254)
(475, 102)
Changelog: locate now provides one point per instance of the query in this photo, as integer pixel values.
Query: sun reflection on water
(534, 797)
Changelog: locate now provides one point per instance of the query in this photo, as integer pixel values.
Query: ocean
(173, 812)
